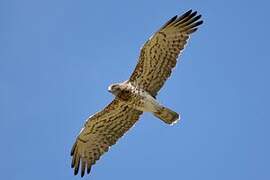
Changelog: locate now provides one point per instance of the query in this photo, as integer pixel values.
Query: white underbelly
(148, 104)
(144, 101)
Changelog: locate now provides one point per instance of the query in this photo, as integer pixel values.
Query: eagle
(136, 95)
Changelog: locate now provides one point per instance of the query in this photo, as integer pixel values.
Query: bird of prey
(138, 94)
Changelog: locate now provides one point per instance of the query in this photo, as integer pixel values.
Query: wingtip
(199, 22)
(189, 11)
(174, 17)
(193, 14)
(72, 165)
(73, 149)
(82, 173)
(76, 170)
(88, 169)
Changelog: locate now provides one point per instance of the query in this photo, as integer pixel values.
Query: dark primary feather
(169, 22)
(185, 20)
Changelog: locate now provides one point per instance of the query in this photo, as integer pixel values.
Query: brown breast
(125, 95)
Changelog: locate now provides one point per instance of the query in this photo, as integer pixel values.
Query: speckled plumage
(133, 97)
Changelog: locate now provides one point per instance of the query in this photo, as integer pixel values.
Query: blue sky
(58, 57)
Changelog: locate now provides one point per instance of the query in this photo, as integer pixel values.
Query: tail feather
(167, 115)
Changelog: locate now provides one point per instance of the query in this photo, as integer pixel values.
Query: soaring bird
(136, 95)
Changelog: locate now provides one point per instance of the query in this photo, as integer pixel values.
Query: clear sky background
(57, 58)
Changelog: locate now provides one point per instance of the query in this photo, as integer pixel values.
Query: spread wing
(159, 54)
(100, 132)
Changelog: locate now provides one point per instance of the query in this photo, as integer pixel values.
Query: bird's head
(114, 89)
